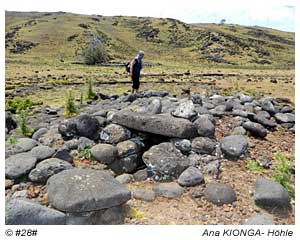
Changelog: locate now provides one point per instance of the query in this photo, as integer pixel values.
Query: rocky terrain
(152, 158)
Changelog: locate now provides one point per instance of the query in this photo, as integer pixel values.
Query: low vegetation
(24, 129)
(18, 104)
(282, 171)
(70, 106)
(253, 166)
(90, 93)
(86, 153)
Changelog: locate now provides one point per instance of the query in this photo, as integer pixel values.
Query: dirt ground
(197, 211)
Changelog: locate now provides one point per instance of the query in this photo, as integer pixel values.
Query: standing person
(135, 70)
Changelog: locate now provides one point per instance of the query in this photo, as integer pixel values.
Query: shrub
(25, 130)
(90, 93)
(95, 52)
(282, 171)
(70, 106)
(18, 104)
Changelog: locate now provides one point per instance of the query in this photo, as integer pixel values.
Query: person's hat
(141, 53)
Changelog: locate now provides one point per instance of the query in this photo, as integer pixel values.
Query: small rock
(105, 153)
(154, 107)
(190, 177)
(168, 190)
(42, 152)
(220, 194)
(264, 162)
(233, 147)
(84, 143)
(271, 194)
(184, 145)
(268, 106)
(19, 165)
(63, 154)
(26, 212)
(285, 117)
(203, 145)
(205, 127)
(255, 129)
(145, 195)
(39, 133)
(141, 175)
(124, 178)
(185, 110)
(26, 144)
(20, 194)
(239, 131)
(47, 168)
(8, 183)
(114, 134)
(259, 219)
(212, 168)
(127, 148)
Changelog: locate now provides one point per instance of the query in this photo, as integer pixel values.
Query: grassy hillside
(56, 38)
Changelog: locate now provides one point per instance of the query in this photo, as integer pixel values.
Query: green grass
(12, 140)
(253, 166)
(175, 42)
(136, 214)
(85, 153)
(282, 172)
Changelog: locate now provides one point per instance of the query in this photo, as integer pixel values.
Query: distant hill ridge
(60, 37)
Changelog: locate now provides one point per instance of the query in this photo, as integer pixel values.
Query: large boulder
(114, 134)
(84, 190)
(47, 168)
(19, 165)
(26, 212)
(220, 194)
(165, 161)
(234, 146)
(203, 145)
(271, 194)
(104, 153)
(161, 124)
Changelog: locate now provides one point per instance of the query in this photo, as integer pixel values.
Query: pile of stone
(146, 135)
